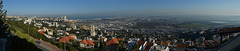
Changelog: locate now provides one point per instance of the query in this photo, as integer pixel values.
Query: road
(46, 46)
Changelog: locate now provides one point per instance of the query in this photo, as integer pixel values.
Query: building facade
(92, 30)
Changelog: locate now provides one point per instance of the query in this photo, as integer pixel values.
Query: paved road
(46, 46)
(41, 47)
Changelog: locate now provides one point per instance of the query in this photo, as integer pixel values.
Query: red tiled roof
(164, 43)
(230, 30)
(64, 38)
(102, 39)
(206, 42)
(41, 31)
(66, 32)
(140, 42)
(87, 42)
(158, 41)
(72, 35)
(71, 38)
(120, 39)
(112, 41)
(181, 46)
(148, 46)
(49, 29)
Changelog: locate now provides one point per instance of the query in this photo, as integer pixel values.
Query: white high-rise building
(64, 18)
(61, 17)
(92, 30)
(74, 26)
(56, 24)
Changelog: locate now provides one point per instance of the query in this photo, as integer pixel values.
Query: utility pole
(64, 42)
(101, 48)
(142, 47)
(28, 27)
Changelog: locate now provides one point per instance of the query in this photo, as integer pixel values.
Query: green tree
(60, 45)
(13, 43)
(225, 40)
(75, 43)
(71, 48)
(135, 47)
(4, 28)
(120, 46)
(103, 46)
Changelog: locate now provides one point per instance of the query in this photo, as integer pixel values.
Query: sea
(90, 17)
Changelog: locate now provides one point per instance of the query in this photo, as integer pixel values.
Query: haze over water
(80, 8)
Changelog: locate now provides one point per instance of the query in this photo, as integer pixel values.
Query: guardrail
(228, 42)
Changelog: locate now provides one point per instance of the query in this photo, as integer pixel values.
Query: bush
(225, 40)
(60, 45)
(54, 43)
(71, 48)
(18, 44)
(24, 29)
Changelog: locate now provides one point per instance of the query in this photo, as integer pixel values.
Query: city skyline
(119, 25)
(76, 8)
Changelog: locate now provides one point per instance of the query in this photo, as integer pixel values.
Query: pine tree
(4, 28)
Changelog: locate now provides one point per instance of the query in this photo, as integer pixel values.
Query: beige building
(92, 30)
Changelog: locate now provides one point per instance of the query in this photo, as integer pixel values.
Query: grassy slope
(21, 41)
(24, 29)
(21, 30)
(20, 44)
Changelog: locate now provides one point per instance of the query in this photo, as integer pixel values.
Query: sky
(78, 8)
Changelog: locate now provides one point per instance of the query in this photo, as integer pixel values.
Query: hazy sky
(121, 7)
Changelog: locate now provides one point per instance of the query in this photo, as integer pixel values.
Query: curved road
(46, 46)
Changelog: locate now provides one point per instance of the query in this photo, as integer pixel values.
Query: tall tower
(92, 30)
(61, 17)
(56, 24)
(64, 18)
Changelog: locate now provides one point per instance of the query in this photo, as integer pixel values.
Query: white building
(92, 30)
(38, 25)
(156, 47)
(28, 21)
(68, 29)
(56, 24)
(50, 32)
(74, 26)
(64, 18)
